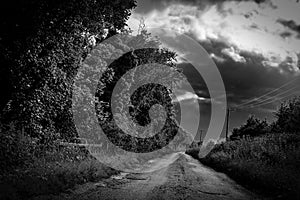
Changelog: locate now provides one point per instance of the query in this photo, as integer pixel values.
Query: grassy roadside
(268, 164)
(53, 173)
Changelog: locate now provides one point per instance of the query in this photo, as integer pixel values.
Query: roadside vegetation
(264, 157)
(42, 47)
(45, 44)
(49, 171)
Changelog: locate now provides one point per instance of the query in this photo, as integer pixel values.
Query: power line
(268, 93)
(261, 104)
(271, 98)
(260, 99)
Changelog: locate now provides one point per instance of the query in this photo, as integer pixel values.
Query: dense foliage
(288, 116)
(287, 121)
(44, 43)
(269, 163)
(43, 58)
(252, 127)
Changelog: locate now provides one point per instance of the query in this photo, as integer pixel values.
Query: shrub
(288, 116)
(15, 148)
(267, 163)
(252, 127)
(52, 172)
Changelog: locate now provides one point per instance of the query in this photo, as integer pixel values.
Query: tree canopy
(42, 45)
(252, 127)
(288, 116)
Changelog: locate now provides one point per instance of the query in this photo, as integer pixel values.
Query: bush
(252, 127)
(15, 148)
(288, 116)
(28, 168)
(52, 173)
(268, 163)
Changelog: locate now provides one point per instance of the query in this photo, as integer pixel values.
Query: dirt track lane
(186, 178)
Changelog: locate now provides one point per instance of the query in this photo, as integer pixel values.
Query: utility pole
(227, 122)
(201, 131)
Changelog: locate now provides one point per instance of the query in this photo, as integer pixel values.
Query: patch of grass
(269, 164)
(53, 173)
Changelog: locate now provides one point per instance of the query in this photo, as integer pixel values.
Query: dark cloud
(243, 82)
(291, 25)
(286, 34)
(145, 6)
(249, 79)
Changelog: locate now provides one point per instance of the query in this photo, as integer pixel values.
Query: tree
(253, 127)
(288, 116)
(149, 54)
(43, 44)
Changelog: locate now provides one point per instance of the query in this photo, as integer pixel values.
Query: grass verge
(268, 164)
(51, 174)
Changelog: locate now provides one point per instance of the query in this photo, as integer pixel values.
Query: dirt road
(186, 178)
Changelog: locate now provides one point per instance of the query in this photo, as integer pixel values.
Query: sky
(255, 45)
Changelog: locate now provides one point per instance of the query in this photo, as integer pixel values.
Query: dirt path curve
(186, 178)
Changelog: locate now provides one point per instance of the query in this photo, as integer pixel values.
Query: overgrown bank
(42, 47)
(268, 164)
(261, 156)
(51, 172)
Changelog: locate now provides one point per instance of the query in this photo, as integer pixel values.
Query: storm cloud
(255, 45)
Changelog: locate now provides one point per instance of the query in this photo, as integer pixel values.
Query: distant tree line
(287, 121)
